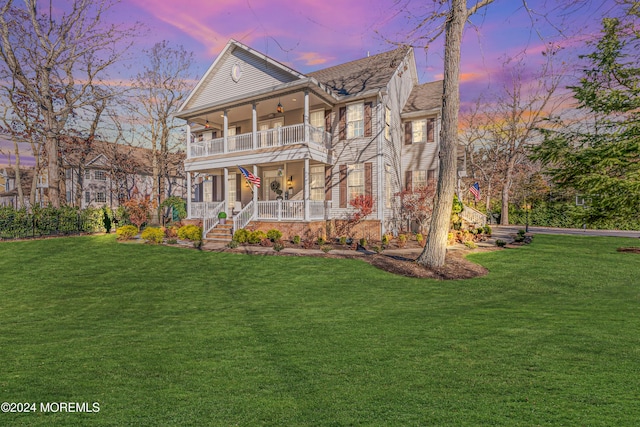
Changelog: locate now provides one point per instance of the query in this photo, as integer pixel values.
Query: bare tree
(162, 86)
(56, 60)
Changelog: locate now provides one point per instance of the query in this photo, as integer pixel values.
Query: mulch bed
(632, 250)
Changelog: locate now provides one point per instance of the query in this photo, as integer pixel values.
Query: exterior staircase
(220, 233)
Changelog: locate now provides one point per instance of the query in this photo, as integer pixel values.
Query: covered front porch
(289, 191)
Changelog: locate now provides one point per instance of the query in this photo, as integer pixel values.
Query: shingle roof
(426, 96)
(355, 77)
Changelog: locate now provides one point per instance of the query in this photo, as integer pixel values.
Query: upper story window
(387, 123)
(316, 119)
(417, 131)
(100, 175)
(87, 174)
(355, 120)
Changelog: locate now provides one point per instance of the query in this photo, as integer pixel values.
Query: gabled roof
(362, 75)
(424, 97)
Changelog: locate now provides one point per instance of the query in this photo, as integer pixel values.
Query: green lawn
(168, 336)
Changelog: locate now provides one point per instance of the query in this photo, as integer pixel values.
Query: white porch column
(225, 132)
(188, 141)
(306, 116)
(254, 121)
(255, 193)
(189, 192)
(225, 187)
(306, 189)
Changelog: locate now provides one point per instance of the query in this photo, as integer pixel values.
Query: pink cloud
(314, 58)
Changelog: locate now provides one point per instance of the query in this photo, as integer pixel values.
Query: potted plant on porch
(222, 217)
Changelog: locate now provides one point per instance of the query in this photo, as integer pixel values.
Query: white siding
(257, 74)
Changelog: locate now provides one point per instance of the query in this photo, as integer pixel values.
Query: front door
(272, 185)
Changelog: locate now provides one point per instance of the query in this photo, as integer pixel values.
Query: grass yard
(168, 336)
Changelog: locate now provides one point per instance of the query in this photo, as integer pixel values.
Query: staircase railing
(473, 216)
(243, 217)
(210, 217)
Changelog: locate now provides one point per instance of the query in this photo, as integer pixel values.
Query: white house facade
(317, 141)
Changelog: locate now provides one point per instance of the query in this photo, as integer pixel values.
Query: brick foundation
(369, 229)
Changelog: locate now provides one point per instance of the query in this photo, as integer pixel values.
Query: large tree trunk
(508, 178)
(51, 144)
(435, 250)
(16, 168)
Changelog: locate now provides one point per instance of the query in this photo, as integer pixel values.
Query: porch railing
(198, 209)
(244, 217)
(318, 209)
(210, 217)
(279, 210)
(473, 216)
(278, 137)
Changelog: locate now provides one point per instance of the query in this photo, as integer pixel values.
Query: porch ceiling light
(207, 125)
(280, 108)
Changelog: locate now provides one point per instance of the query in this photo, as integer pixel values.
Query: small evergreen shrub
(377, 249)
(343, 240)
(325, 248)
(233, 244)
(321, 241)
(420, 239)
(241, 236)
(190, 232)
(385, 240)
(296, 240)
(470, 244)
(172, 241)
(256, 237)
(363, 242)
(308, 244)
(127, 232)
(278, 245)
(501, 243)
(274, 235)
(106, 220)
(487, 230)
(153, 235)
(402, 240)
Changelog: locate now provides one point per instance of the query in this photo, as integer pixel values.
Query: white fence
(210, 217)
(244, 216)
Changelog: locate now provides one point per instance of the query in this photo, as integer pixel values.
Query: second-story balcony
(270, 138)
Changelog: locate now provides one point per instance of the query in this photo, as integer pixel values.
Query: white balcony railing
(278, 137)
(243, 218)
(198, 209)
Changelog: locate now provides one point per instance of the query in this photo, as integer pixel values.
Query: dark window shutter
(408, 180)
(214, 134)
(327, 121)
(343, 123)
(199, 192)
(408, 133)
(368, 179)
(431, 175)
(238, 187)
(328, 184)
(367, 118)
(238, 130)
(214, 184)
(343, 186)
(430, 130)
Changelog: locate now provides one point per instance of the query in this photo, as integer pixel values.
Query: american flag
(250, 177)
(475, 190)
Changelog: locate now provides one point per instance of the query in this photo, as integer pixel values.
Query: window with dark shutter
(343, 123)
(408, 133)
(431, 124)
(368, 179)
(327, 121)
(328, 183)
(214, 184)
(367, 118)
(431, 175)
(343, 186)
(408, 177)
(238, 186)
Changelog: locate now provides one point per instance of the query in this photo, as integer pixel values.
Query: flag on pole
(475, 190)
(250, 177)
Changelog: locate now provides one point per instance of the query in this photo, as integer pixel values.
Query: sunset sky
(309, 34)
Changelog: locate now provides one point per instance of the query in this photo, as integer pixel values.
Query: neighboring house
(9, 190)
(316, 140)
(108, 174)
(103, 173)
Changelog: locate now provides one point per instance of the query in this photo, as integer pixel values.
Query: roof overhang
(420, 113)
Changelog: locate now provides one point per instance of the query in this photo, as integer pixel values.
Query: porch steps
(220, 233)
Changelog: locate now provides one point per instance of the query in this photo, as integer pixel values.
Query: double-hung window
(100, 175)
(101, 197)
(317, 182)
(316, 119)
(355, 180)
(355, 120)
(419, 128)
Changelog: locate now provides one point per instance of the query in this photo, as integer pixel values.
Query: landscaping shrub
(178, 205)
(274, 235)
(501, 243)
(487, 230)
(420, 239)
(171, 232)
(278, 245)
(172, 241)
(385, 240)
(127, 232)
(325, 248)
(321, 241)
(106, 219)
(296, 240)
(363, 242)
(152, 235)
(266, 243)
(233, 244)
(241, 236)
(343, 240)
(470, 244)
(256, 237)
(402, 240)
(190, 232)
(308, 244)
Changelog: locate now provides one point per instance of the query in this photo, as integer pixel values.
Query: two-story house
(317, 141)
